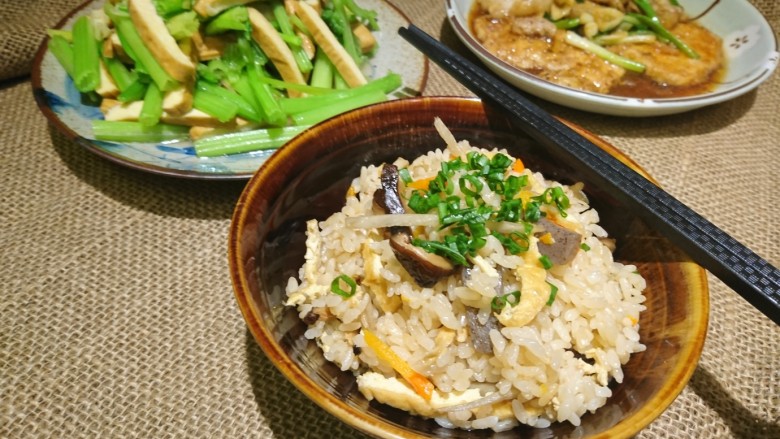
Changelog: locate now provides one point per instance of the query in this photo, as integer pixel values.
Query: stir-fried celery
(234, 83)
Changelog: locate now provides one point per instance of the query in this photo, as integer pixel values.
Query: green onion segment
(335, 286)
(465, 216)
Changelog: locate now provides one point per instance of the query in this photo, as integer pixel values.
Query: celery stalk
(286, 29)
(322, 72)
(62, 50)
(152, 108)
(245, 141)
(235, 18)
(385, 84)
(318, 114)
(86, 61)
(265, 97)
(122, 131)
(245, 109)
(130, 85)
(347, 38)
(244, 89)
(214, 105)
(129, 35)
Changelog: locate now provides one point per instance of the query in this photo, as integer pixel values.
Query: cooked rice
(555, 368)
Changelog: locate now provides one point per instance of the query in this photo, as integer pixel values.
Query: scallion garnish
(553, 293)
(500, 302)
(335, 286)
(405, 176)
(466, 215)
(585, 247)
(546, 262)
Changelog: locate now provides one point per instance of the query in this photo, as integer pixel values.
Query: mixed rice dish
(466, 288)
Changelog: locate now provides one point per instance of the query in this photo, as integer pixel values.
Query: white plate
(62, 104)
(749, 43)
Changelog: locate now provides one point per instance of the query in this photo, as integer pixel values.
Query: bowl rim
(239, 273)
(605, 103)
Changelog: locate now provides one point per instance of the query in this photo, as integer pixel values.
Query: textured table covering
(117, 316)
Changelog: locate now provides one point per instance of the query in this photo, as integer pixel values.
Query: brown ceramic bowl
(308, 179)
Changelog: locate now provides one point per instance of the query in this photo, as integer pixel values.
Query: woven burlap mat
(117, 316)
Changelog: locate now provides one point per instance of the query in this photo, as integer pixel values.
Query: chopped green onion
(546, 262)
(655, 24)
(122, 131)
(500, 302)
(585, 247)
(553, 293)
(406, 177)
(335, 286)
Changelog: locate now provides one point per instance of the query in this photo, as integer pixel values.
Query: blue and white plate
(63, 105)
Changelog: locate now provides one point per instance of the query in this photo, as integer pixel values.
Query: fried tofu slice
(160, 42)
(271, 42)
(344, 63)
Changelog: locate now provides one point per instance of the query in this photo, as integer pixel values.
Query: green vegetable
(585, 247)
(653, 22)
(553, 293)
(264, 95)
(589, 46)
(286, 30)
(121, 131)
(500, 302)
(365, 15)
(245, 141)
(335, 286)
(152, 108)
(385, 84)
(168, 8)
(545, 261)
(86, 59)
(183, 25)
(244, 108)
(233, 19)
(318, 114)
(62, 50)
(213, 104)
(132, 40)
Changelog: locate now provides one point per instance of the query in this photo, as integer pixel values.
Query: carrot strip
(421, 183)
(518, 166)
(421, 385)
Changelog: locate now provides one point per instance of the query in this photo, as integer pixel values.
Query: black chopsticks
(748, 274)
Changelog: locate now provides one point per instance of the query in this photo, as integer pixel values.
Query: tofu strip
(160, 42)
(344, 63)
(277, 50)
